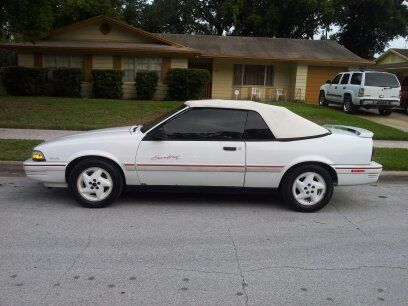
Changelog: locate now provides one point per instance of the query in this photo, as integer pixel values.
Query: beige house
(241, 67)
(394, 61)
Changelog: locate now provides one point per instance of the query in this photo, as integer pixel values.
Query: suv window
(256, 128)
(381, 80)
(356, 78)
(206, 124)
(345, 78)
(336, 79)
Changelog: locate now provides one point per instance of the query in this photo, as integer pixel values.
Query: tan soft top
(282, 122)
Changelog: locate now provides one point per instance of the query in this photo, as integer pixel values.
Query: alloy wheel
(94, 184)
(309, 188)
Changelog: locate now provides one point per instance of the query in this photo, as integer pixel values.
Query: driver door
(332, 91)
(199, 147)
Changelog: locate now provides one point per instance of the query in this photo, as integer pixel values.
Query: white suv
(362, 88)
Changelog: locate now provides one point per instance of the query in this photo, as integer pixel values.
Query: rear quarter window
(381, 80)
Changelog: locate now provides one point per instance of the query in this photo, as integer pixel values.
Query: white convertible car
(216, 143)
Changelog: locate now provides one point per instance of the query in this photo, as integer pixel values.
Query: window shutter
(166, 64)
(117, 62)
(88, 68)
(38, 60)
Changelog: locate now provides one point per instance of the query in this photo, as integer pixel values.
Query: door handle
(344, 87)
(230, 148)
(335, 87)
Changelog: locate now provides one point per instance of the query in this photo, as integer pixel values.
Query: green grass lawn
(11, 149)
(86, 114)
(392, 159)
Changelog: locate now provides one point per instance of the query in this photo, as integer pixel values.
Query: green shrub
(23, 81)
(66, 82)
(187, 84)
(146, 83)
(107, 83)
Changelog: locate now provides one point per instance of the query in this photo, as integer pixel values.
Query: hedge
(107, 83)
(187, 84)
(146, 84)
(66, 82)
(23, 81)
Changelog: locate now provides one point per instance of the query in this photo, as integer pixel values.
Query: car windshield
(381, 80)
(147, 126)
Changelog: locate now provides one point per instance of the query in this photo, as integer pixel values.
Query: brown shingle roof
(267, 48)
(97, 47)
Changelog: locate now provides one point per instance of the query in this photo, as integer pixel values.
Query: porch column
(300, 81)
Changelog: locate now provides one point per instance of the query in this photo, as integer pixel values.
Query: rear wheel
(307, 188)
(348, 106)
(322, 99)
(384, 111)
(95, 183)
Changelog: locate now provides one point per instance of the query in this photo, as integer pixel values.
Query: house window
(258, 75)
(131, 65)
(63, 61)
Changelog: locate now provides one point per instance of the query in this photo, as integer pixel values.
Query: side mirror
(159, 134)
(328, 82)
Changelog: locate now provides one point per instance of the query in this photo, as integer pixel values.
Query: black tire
(290, 179)
(348, 106)
(384, 111)
(322, 99)
(110, 168)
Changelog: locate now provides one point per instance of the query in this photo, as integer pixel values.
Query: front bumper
(52, 174)
(358, 174)
(377, 102)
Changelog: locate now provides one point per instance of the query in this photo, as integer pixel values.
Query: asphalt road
(202, 249)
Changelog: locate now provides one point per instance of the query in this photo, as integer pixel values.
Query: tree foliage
(363, 26)
(366, 26)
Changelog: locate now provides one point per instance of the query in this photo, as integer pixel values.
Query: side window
(256, 128)
(345, 78)
(207, 124)
(356, 78)
(336, 79)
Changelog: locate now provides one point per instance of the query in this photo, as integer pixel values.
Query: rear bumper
(376, 102)
(358, 174)
(52, 174)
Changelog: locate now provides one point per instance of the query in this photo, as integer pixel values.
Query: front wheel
(307, 188)
(322, 99)
(95, 183)
(384, 111)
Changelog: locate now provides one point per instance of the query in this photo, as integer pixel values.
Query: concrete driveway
(202, 249)
(398, 119)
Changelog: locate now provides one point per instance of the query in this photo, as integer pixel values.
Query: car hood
(97, 134)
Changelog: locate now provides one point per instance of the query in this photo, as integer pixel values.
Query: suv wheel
(307, 188)
(385, 111)
(348, 106)
(322, 99)
(95, 183)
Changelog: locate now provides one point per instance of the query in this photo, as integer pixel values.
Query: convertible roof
(283, 123)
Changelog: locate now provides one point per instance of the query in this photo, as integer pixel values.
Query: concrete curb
(385, 175)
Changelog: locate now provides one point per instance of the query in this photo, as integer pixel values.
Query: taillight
(399, 94)
(373, 154)
(361, 92)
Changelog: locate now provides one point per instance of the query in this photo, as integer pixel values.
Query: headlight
(37, 156)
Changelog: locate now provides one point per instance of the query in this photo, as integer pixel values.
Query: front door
(199, 147)
(208, 66)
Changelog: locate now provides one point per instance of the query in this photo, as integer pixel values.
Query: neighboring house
(394, 61)
(241, 67)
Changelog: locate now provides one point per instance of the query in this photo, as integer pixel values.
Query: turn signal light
(373, 154)
(361, 92)
(37, 156)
